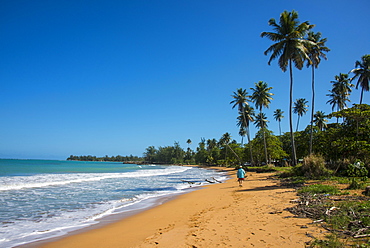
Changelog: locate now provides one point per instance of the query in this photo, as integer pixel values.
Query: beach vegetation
(316, 52)
(262, 97)
(362, 74)
(319, 189)
(289, 48)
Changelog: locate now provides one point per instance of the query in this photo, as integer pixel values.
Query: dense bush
(357, 169)
(314, 167)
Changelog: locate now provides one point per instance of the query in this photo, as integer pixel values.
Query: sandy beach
(218, 215)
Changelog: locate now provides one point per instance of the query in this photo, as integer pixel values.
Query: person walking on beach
(240, 175)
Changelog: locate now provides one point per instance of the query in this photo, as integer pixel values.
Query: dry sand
(219, 215)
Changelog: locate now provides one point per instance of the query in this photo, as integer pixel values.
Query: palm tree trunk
(312, 108)
(297, 124)
(362, 93)
(250, 145)
(264, 140)
(280, 128)
(249, 139)
(294, 157)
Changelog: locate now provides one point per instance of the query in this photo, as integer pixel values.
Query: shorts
(240, 179)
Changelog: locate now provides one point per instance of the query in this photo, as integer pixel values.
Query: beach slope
(219, 215)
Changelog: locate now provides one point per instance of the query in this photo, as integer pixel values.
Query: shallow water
(41, 199)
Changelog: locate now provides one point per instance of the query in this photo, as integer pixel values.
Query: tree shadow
(264, 188)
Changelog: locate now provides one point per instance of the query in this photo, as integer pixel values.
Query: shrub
(314, 167)
(357, 169)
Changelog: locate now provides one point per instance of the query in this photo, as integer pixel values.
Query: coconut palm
(225, 140)
(300, 108)
(242, 133)
(316, 52)
(244, 119)
(362, 73)
(290, 48)
(262, 98)
(278, 115)
(261, 120)
(340, 92)
(188, 142)
(319, 120)
(241, 100)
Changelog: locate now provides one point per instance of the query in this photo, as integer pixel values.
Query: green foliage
(117, 158)
(319, 189)
(357, 169)
(331, 241)
(355, 184)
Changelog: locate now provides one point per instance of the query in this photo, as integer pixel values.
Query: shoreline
(132, 210)
(216, 215)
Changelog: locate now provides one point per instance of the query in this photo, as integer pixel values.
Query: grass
(319, 189)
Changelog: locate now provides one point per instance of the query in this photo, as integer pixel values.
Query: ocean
(41, 199)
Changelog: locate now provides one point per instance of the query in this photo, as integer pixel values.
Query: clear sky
(107, 77)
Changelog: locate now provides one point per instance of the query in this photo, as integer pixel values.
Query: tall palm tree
(278, 115)
(188, 142)
(290, 47)
(241, 100)
(225, 140)
(362, 73)
(319, 120)
(244, 119)
(242, 133)
(340, 92)
(300, 108)
(315, 52)
(262, 98)
(261, 120)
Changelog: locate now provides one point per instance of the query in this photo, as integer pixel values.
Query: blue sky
(114, 77)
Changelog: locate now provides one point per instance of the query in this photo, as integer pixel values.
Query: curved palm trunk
(249, 139)
(297, 123)
(250, 145)
(362, 93)
(294, 157)
(312, 108)
(264, 140)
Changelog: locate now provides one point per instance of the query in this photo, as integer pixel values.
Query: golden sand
(218, 215)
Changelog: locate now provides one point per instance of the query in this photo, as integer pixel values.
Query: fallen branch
(362, 236)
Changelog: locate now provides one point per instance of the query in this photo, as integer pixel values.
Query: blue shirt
(240, 173)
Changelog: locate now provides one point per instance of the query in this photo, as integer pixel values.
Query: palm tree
(278, 115)
(290, 47)
(362, 73)
(300, 108)
(315, 52)
(225, 140)
(244, 119)
(242, 133)
(319, 120)
(261, 120)
(340, 92)
(188, 142)
(262, 98)
(241, 100)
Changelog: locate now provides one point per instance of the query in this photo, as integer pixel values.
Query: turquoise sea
(40, 199)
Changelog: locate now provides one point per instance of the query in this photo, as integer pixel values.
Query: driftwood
(190, 182)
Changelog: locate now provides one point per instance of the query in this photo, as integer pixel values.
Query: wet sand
(218, 215)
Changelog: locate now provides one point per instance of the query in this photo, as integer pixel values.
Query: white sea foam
(47, 205)
(46, 180)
